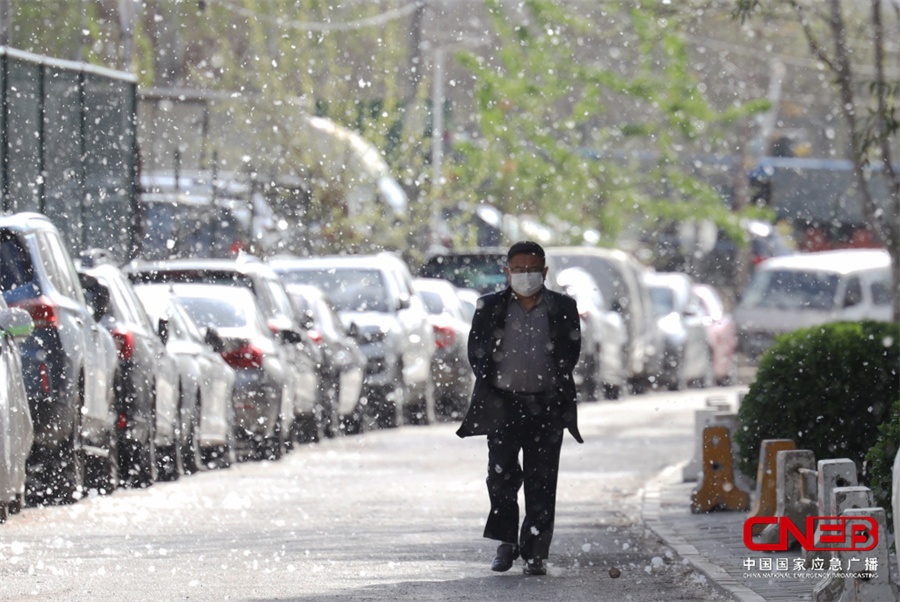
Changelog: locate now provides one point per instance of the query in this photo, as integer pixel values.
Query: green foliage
(881, 460)
(827, 387)
(546, 144)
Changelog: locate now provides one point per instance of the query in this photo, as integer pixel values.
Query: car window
(853, 294)
(218, 312)
(60, 269)
(881, 292)
(433, 302)
(663, 300)
(348, 289)
(280, 300)
(791, 289)
(484, 273)
(130, 305)
(15, 263)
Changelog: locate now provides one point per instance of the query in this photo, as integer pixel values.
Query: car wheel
(169, 463)
(679, 379)
(191, 457)
(102, 473)
(70, 468)
(331, 424)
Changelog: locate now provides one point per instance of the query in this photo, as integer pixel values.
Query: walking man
(523, 345)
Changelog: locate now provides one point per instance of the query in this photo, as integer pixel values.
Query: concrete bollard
(717, 489)
(702, 419)
(792, 497)
(842, 499)
(766, 502)
(864, 576)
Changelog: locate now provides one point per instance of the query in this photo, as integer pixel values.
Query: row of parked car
(144, 372)
(640, 328)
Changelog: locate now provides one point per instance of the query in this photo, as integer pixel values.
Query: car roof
(248, 265)
(26, 221)
(330, 261)
(842, 261)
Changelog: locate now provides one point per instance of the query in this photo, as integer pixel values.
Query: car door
(419, 337)
(99, 354)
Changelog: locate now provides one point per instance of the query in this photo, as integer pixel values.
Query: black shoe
(506, 554)
(535, 566)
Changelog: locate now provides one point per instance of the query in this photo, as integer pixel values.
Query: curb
(650, 514)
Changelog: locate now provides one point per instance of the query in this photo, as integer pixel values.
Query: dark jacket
(486, 410)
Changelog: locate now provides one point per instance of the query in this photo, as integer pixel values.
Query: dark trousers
(531, 430)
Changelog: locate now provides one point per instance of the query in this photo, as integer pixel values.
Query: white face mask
(527, 284)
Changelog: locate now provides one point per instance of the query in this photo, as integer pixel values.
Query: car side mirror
(353, 330)
(97, 296)
(403, 302)
(306, 321)
(291, 337)
(213, 339)
(16, 323)
(162, 329)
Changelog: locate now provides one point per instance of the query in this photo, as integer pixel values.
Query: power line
(373, 21)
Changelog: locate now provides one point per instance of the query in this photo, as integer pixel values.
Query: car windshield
(791, 289)
(349, 289)
(663, 300)
(220, 313)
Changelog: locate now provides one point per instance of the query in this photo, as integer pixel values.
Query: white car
(601, 366)
(375, 293)
(807, 289)
(16, 429)
(207, 424)
(687, 355)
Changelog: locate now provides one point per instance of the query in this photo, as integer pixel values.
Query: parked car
(68, 362)
(375, 293)
(453, 376)
(263, 372)
(807, 289)
(469, 298)
(478, 269)
(688, 358)
(207, 423)
(721, 334)
(306, 421)
(343, 366)
(601, 365)
(16, 429)
(619, 276)
(148, 399)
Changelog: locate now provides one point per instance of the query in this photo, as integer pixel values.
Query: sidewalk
(713, 544)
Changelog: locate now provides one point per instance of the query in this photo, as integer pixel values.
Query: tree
(868, 105)
(549, 142)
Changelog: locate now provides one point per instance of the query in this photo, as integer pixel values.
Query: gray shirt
(524, 361)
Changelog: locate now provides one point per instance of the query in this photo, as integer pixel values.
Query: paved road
(384, 516)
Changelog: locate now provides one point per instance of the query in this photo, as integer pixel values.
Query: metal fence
(68, 148)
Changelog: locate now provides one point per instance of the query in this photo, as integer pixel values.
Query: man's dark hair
(526, 247)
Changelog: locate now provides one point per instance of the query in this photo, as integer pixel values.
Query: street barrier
(766, 499)
(716, 413)
(717, 489)
(793, 499)
(866, 579)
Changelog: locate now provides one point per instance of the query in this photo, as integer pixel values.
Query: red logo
(836, 533)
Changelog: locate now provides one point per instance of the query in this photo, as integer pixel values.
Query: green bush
(881, 461)
(827, 387)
